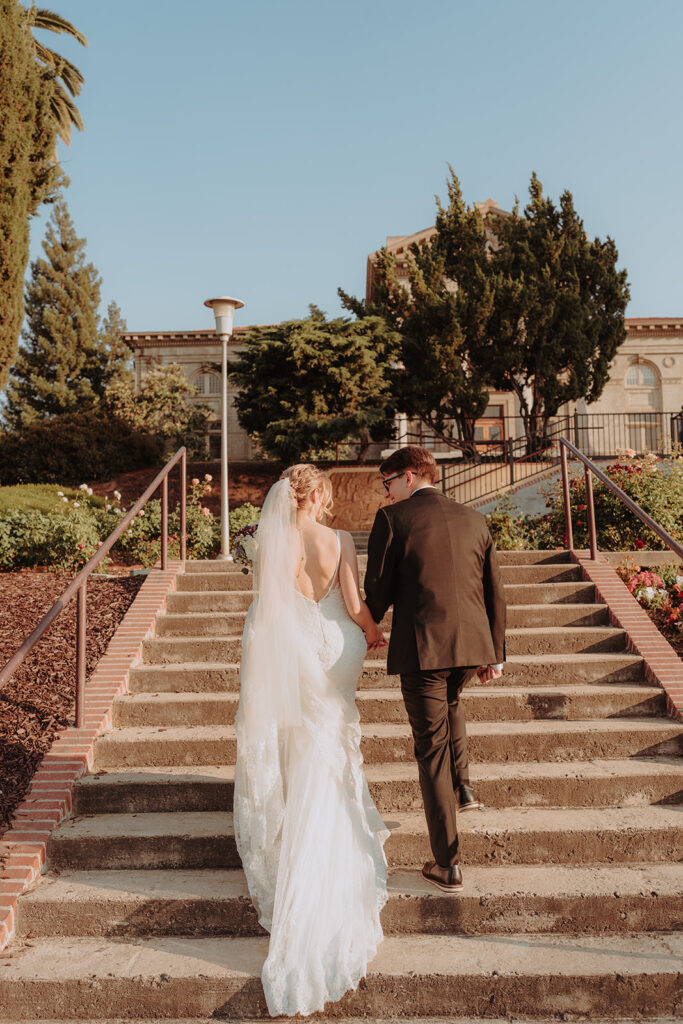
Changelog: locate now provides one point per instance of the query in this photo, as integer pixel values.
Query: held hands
(374, 637)
(488, 672)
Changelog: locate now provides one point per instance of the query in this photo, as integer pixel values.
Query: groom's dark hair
(412, 457)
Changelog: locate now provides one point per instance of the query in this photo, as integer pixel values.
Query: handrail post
(591, 514)
(567, 501)
(183, 507)
(80, 653)
(164, 523)
(511, 457)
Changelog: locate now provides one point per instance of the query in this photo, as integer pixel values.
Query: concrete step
(204, 581)
(488, 836)
(187, 611)
(387, 741)
(532, 557)
(520, 671)
(234, 579)
(171, 977)
(504, 558)
(550, 593)
(547, 618)
(239, 599)
(547, 640)
(497, 900)
(481, 704)
(632, 782)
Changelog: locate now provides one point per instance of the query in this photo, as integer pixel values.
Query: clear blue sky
(262, 148)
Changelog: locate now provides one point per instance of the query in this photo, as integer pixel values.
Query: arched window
(641, 376)
(207, 383)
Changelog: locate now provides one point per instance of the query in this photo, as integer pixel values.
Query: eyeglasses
(387, 480)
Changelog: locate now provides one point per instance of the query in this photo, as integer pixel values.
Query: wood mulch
(38, 700)
(669, 631)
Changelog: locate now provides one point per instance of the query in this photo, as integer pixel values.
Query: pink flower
(206, 512)
(81, 546)
(208, 478)
(195, 481)
(100, 543)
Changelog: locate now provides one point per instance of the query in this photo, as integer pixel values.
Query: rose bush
(660, 591)
(653, 482)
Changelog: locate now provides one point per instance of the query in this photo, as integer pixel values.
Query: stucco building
(197, 352)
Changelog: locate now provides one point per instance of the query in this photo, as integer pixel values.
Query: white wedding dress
(309, 835)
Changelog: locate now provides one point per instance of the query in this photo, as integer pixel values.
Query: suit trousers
(432, 700)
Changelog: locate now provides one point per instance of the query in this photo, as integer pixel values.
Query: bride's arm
(350, 588)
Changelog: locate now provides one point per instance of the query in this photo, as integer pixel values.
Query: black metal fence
(599, 435)
(509, 462)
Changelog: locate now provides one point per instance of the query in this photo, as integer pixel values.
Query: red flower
(639, 543)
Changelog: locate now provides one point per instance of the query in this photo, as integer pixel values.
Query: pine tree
(442, 320)
(63, 365)
(559, 312)
(27, 144)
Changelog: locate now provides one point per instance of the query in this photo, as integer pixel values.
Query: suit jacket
(435, 561)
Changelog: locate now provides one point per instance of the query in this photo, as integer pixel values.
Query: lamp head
(223, 310)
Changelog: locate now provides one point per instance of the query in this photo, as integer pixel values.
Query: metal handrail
(507, 448)
(79, 584)
(590, 467)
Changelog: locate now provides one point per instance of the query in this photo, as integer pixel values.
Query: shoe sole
(443, 885)
(469, 807)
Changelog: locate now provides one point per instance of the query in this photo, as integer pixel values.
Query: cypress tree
(63, 365)
(27, 145)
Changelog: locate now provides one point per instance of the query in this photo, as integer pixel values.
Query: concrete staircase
(573, 886)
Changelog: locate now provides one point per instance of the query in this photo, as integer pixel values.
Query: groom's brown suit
(434, 560)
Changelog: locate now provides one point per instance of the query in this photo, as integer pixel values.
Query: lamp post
(223, 310)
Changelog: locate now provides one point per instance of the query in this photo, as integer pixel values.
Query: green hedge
(74, 447)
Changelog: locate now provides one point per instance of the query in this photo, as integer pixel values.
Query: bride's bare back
(318, 559)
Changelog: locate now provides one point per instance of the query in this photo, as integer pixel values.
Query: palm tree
(68, 79)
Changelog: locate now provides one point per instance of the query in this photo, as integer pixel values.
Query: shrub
(141, 542)
(71, 447)
(243, 515)
(59, 541)
(654, 483)
(69, 535)
(508, 526)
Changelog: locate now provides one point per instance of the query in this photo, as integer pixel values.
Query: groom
(434, 560)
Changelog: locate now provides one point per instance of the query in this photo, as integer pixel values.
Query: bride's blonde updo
(305, 478)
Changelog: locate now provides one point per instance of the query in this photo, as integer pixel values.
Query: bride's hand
(375, 637)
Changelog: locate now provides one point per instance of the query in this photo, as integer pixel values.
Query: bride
(309, 835)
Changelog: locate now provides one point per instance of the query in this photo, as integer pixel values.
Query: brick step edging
(662, 666)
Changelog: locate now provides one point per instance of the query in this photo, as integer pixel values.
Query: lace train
(312, 845)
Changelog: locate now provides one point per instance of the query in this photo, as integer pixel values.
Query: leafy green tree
(29, 175)
(306, 385)
(559, 312)
(162, 408)
(64, 364)
(442, 320)
(67, 78)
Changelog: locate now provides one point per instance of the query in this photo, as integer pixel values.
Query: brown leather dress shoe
(446, 879)
(467, 801)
